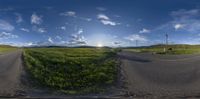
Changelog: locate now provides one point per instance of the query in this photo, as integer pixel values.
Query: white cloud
(42, 30)
(144, 31)
(36, 19)
(6, 35)
(103, 17)
(185, 13)
(4, 25)
(101, 9)
(88, 19)
(77, 39)
(80, 31)
(50, 40)
(24, 29)
(39, 29)
(135, 37)
(58, 37)
(63, 27)
(178, 26)
(68, 13)
(19, 18)
(106, 20)
(73, 14)
(29, 44)
(187, 20)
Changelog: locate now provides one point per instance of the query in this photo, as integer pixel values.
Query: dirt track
(10, 71)
(151, 75)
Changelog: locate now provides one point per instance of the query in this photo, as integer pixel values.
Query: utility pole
(166, 35)
(136, 43)
(166, 42)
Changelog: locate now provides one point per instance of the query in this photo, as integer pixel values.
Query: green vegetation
(72, 70)
(6, 48)
(170, 49)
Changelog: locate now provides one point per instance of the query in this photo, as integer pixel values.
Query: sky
(99, 22)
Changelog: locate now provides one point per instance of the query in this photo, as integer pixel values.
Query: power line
(166, 35)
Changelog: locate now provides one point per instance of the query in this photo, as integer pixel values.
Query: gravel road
(10, 71)
(150, 75)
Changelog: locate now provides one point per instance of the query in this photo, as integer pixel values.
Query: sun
(99, 45)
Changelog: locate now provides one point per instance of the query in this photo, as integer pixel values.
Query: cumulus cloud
(39, 29)
(36, 19)
(4, 25)
(63, 27)
(77, 39)
(29, 44)
(135, 37)
(19, 18)
(187, 20)
(103, 17)
(80, 31)
(42, 30)
(106, 20)
(24, 29)
(184, 14)
(50, 40)
(178, 26)
(73, 14)
(144, 31)
(68, 13)
(6, 35)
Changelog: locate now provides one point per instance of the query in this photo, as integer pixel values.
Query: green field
(72, 70)
(175, 49)
(6, 48)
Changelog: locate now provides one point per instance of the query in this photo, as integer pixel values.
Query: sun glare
(99, 45)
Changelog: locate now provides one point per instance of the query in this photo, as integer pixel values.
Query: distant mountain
(65, 47)
(6, 46)
(163, 45)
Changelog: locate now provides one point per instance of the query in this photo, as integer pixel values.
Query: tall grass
(72, 70)
(5, 49)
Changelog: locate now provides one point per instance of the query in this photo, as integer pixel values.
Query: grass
(176, 49)
(5, 49)
(72, 70)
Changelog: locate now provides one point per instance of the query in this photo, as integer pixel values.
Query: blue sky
(99, 22)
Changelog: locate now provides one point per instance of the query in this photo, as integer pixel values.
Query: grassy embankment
(6, 48)
(176, 49)
(72, 70)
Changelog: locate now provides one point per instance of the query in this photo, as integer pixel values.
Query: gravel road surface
(10, 71)
(150, 75)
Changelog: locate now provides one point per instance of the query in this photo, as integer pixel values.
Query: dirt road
(10, 70)
(151, 75)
